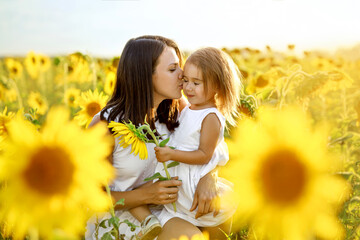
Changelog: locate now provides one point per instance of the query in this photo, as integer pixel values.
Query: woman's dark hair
(132, 98)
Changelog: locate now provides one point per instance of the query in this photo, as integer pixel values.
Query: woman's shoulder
(96, 119)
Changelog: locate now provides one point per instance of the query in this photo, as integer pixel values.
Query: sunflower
(90, 103)
(5, 118)
(283, 178)
(204, 236)
(110, 83)
(32, 64)
(44, 63)
(129, 134)
(78, 68)
(71, 96)
(338, 80)
(2, 93)
(57, 178)
(15, 68)
(36, 101)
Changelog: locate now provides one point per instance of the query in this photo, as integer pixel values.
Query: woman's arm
(209, 135)
(149, 193)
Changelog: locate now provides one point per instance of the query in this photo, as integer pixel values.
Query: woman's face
(167, 77)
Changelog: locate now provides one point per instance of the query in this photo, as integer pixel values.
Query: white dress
(130, 173)
(187, 138)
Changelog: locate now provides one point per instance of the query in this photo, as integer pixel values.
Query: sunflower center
(93, 108)
(50, 171)
(283, 177)
(39, 101)
(3, 129)
(14, 70)
(261, 82)
(33, 60)
(71, 98)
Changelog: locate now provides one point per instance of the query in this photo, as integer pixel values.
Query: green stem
(112, 212)
(148, 129)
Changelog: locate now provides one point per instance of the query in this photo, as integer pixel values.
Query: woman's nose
(181, 74)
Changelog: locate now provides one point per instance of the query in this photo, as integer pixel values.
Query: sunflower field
(294, 155)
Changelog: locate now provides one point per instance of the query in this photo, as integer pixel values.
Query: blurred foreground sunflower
(284, 181)
(56, 182)
(90, 103)
(129, 134)
(204, 236)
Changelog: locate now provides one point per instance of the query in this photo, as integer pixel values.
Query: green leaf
(156, 176)
(36, 122)
(106, 236)
(114, 221)
(120, 202)
(56, 61)
(102, 223)
(172, 147)
(172, 164)
(113, 232)
(164, 142)
(131, 225)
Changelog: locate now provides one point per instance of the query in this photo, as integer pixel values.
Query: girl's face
(167, 77)
(193, 86)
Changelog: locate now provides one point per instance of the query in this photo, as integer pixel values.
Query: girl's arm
(206, 197)
(209, 135)
(149, 193)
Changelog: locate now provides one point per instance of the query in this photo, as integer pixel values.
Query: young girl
(211, 83)
(212, 86)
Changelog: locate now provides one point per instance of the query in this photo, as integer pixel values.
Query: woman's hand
(206, 196)
(162, 192)
(163, 154)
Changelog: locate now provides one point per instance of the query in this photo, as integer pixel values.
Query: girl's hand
(162, 192)
(206, 197)
(163, 154)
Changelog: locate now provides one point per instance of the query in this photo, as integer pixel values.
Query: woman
(148, 79)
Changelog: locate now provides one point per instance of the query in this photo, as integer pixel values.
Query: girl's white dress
(187, 138)
(130, 174)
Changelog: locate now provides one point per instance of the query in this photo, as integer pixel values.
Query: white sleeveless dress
(130, 174)
(187, 138)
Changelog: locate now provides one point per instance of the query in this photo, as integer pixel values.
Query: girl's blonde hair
(221, 74)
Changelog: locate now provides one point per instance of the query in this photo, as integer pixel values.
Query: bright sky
(102, 27)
